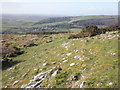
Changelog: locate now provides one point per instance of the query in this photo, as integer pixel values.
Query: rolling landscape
(48, 53)
(64, 44)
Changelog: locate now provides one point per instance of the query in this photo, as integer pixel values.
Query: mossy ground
(97, 67)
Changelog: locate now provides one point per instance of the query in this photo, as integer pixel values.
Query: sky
(60, 7)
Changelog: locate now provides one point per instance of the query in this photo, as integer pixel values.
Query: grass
(98, 66)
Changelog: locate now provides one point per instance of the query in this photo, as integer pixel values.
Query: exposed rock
(36, 81)
(45, 64)
(68, 54)
(98, 84)
(63, 58)
(65, 61)
(77, 57)
(110, 83)
(55, 73)
(113, 54)
(35, 69)
(53, 63)
(49, 41)
(11, 77)
(24, 75)
(15, 82)
(76, 50)
(72, 64)
(82, 84)
(11, 68)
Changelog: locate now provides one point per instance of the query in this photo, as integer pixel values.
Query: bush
(87, 31)
(92, 30)
(10, 51)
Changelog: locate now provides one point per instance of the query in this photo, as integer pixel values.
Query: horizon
(52, 15)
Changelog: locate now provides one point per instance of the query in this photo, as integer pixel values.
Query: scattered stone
(6, 86)
(98, 84)
(65, 61)
(36, 81)
(25, 75)
(76, 50)
(82, 76)
(110, 83)
(77, 57)
(113, 54)
(41, 69)
(63, 58)
(68, 54)
(11, 68)
(82, 84)
(55, 73)
(53, 63)
(35, 69)
(109, 36)
(82, 40)
(66, 47)
(45, 64)
(118, 35)
(11, 77)
(72, 64)
(15, 82)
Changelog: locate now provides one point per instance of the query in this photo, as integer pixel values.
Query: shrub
(92, 30)
(87, 31)
(10, 51)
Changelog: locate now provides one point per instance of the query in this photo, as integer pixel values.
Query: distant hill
(22, 24)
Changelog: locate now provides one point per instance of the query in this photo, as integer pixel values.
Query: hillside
(25, 24)
(58, 62)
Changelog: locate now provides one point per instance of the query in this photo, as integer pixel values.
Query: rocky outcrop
(37, 80)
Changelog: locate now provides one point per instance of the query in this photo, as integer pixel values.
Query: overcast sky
(60, 7)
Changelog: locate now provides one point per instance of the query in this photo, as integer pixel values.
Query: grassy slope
(98, 67)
